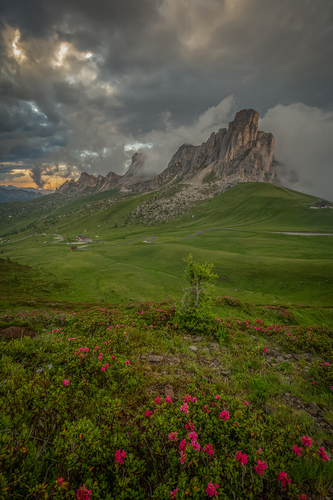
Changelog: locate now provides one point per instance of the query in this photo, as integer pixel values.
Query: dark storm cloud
(81, 79)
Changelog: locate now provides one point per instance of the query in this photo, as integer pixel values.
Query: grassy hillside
(255, 266)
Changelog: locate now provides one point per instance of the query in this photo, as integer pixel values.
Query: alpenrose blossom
(184, 408)
(173, 494)
(120, 455)
(246, 403)
(187, 398)
(194, 400)
(218, 396)
(282, 477)
(206, 409)
(182, 457)
(103, 369)
(208, 449)
(113, 357)
(148, 414)
(182, 445)
(83, 494)
(60, 480)
(224, 415)
(298, 451)
(189, 426)
(242, 458)
(322, 454)
(211, 490)
(65, 382)
(307, 441)
(193, 436)
(157, 401)
(173, 436)
(260, 467)
(127, 362)
(168, 399)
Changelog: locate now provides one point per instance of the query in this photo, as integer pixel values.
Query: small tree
(201, 279)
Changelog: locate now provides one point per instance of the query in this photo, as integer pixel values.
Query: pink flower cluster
(208, 449)
(190, 426)
(148, 414)
(184, 408)
(224, 415)
(83, 494)
(65, 382)
(282, 477)
(260, 467)
(120, 456)
(168, 399)
(298, 451)
(173, 494)
(307, 441)
(60, 480)
(242, 458)
(173, 436)
(322, 454)
(211, 490)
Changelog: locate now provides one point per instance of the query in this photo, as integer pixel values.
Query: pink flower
(212, 404)
(265, 350)
(60, 481)
(259, 451)
(224, 415)
(322, 454)
(113, 357)
(246, 403)
(182, 445)
(194, 400)
(326, 364)
(187, 398)
(103, 369)
(282, 477)
(157, 401)
(100, 357)
(127, 362)
(148, 414)
(65, 382)
(260, 467)
(83, 494)
(184, 408)
(297, 450)
(173, 436)
(208, 449)
(307, 441)
(182, 457)
(193, 436)
(120, 456)
(218, 397)
(173, 494)
(235, 424)
(211, 490)
(303, 497)
(206, 409)
(242, 457)
(195, 445)
(97, 347)
(106, 365)
(168, 399)
(190, 426)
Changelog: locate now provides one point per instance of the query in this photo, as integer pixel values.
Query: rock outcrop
(240, 151)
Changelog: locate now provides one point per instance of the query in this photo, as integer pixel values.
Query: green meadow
(253, 264)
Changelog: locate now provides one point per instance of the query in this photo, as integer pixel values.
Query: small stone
(197, 339)
(214, 345)
(168, 391)
(204, 350)
(288, 356)
(319, 442)
(152, 358)
(287, 394)
(269, 359)
(279, 359)
(193, 348)
(143, 357)
(225, 373)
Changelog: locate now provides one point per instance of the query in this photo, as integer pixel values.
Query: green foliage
(200, 278)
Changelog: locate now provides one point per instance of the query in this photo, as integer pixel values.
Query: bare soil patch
(17, 332)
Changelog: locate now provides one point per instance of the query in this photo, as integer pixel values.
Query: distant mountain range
(240, 153)
(13, 193)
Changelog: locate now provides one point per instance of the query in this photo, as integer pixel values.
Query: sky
(84, 85)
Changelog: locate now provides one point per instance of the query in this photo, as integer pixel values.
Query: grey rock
(313, 408)
(168, 391)
(287, 394)
(152, 358)
(225, 373)
(288, 356)
(280, 359)
(197, 339)
(143, 357)
(269, 359)
(193, 348)
(213, 345)
(319, 442)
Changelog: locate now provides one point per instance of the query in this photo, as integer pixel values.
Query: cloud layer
(83, 81)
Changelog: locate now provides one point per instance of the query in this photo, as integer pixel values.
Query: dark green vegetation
(57, 438)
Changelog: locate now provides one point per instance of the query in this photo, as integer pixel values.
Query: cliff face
(87, 182)
(240, 153)
(241, 150)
